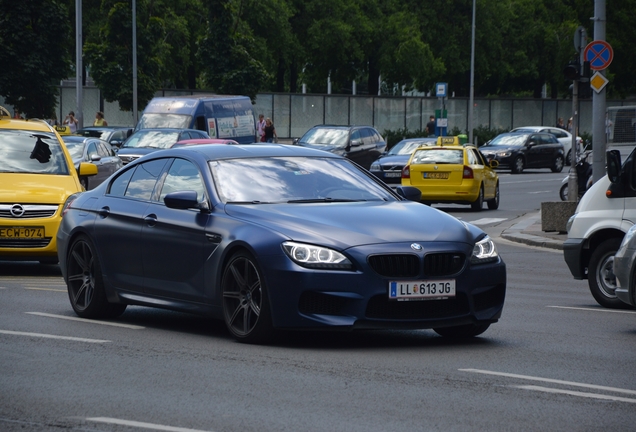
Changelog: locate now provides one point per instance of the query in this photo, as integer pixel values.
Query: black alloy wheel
(493, 204)
(86, 284)
(518, 165)
(601, 278)
(557, 166)
(245, 304)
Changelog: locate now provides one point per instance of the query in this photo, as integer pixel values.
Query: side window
(200, 135)
(474, 155)
(368, 137)
(144, 179)
(535, 138)
(559, 133)
(120, 184)
(103, 150)
(183, 175)
(356, 136)
(92, 150)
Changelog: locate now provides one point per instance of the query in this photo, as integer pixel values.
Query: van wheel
(601, 278)
(563, 192)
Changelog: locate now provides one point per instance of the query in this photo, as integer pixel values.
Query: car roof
(32, 124)
(206, 141)
(215, 151)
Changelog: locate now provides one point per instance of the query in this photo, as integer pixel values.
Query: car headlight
(375, 167)
(316, 257)
(504, 153)
(484, 251)
(626, 240)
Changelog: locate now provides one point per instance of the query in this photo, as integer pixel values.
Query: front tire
(493, 204)
(557, 165)
(479, 202)
(601, 278)
(463, 331)
(246, 308)
(518, 165)
(86, 284)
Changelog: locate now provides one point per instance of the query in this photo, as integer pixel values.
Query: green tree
(35, 43)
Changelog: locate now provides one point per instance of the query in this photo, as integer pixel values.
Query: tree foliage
(35, 54)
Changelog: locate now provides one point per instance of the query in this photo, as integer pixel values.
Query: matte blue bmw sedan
(275, 237)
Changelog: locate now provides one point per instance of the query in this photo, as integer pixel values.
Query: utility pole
(599, 105)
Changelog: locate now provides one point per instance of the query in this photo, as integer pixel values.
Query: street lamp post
(471, 101)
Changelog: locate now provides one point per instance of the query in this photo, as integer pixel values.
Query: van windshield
(162, 120)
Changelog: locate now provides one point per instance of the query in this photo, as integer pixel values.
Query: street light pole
(134, 60)
(471, 101)
(78, 64)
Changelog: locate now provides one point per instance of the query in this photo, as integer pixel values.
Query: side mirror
(532, 143)
(409, 192)
(356, 143)
(613, 165)
(493, 163)
(295, 141)
(184, 200)
(95, 157)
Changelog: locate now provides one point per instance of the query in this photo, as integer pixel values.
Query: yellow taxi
(37, 175)
(453, 174)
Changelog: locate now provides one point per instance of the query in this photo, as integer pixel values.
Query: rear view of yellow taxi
(37, 175)
(453, 174)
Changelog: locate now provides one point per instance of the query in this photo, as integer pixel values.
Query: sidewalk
(528, 231)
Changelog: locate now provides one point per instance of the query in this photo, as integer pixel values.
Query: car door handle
(151, 219)
(104, 212)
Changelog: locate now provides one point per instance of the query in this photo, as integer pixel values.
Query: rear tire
(568, 157)
(557, 165)
(460, 332)
(479, 203)
(601, 278)
(563, 192)
(86, 284)
(493, 204)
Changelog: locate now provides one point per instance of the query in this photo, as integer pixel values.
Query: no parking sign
(599, 53)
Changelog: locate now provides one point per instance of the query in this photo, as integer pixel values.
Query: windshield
(173, 121)
(407, 147)
(75, 148)
(152, 139)
(294, 179)
(326, 136)
(512, 140)
(438, 156)
(31, 152)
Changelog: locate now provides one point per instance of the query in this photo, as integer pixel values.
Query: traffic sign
(440, 89)
(599, 53)
(598, 82)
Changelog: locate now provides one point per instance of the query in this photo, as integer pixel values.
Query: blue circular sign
(599, 53)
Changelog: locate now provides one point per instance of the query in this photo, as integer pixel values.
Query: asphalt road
(555, 361)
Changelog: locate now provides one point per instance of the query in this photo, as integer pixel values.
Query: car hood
(343, 225)
(394, 160)
(37, 188)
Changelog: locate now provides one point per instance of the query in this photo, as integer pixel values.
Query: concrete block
(555, 215)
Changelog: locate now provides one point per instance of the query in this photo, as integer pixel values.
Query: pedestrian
(260, 128)
(270, 131)
(99, 119)
(569, 126)
(430, 126)
(71, 122)
(560, 123)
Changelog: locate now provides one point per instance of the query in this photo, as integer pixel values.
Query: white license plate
(422, 290)
(393, 174)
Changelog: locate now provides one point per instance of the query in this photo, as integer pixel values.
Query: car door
(110, 160)
(94, 156)
(485, 173)
(355, 149)
(173, 240)
(534, 151)
(118, 233)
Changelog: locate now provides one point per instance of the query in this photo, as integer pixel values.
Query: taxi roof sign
(63, 130)
(448, 141)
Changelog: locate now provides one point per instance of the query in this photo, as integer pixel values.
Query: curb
(532, 240)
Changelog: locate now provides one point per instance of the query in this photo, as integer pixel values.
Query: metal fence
(294, 114)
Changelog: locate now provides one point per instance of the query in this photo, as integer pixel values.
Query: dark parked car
(145, 141)
(388, 167)
(272, 237)
(361, 144)
(518, 151)
(114, 135)
(95, 151)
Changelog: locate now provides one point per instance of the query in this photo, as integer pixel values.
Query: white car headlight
(484, 251)
(375, 167)
(316, 257)
(504, 153)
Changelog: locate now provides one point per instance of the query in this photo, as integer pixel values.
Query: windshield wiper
(319, 200)
(248, 202)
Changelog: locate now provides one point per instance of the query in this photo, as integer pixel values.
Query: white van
(595, 231)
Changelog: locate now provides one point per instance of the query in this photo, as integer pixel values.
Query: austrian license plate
(435, 175)
(22, 232)
(422, 290)
(393, 174)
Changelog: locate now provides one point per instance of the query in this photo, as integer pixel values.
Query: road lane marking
(595, 309)
(576, 393)
(144, 425)
(485, 221)
(49, 336)
(129, 326)
(45, 289)
(553, 381)
(540, 192)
